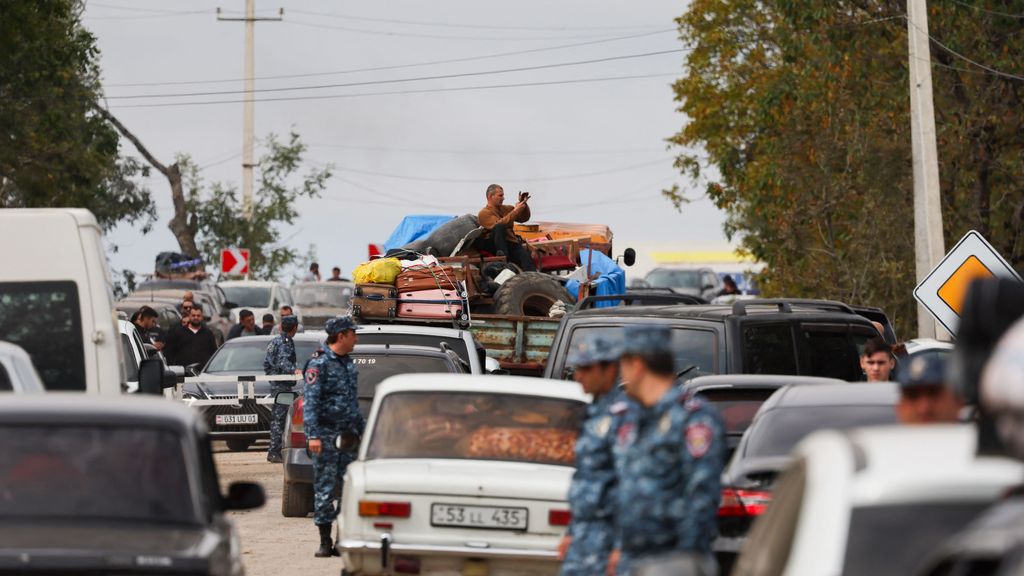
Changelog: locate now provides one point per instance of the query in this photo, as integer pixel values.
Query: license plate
(235, 419)
(497, 517)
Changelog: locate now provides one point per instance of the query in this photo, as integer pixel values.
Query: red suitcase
(431, 304)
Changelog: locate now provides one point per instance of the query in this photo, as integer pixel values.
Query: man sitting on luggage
(498, 218)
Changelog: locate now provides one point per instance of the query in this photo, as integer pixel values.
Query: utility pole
(929, 246)
(249, 113)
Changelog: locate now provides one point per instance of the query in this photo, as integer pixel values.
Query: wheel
(236, 445)
(529, 294)
(296, 499)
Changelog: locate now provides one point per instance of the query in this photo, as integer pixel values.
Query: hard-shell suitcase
(374, 302)
(431, 304)
(430, 278)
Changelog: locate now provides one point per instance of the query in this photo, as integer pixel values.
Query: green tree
(55, 150)
(802, 108)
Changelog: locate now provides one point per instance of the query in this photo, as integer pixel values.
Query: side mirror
(170, 378)
(151, 376)
(193, 369)
(285, 398)
(629, 257)
(151, 350)
(244, 496)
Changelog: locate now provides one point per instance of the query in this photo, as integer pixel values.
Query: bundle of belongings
(421, 289)
(177, 265)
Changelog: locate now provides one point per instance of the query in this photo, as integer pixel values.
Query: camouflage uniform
(331, 408)
(280, 360)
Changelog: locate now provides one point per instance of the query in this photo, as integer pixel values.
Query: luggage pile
(388, 289)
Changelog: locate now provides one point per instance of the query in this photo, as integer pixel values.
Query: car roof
(845, 394)
(411, 329)
(157, 303)
(719, 312)
(338, 283)
(319, 337)
(254, 283)
(482, 384)
(921, 344)
(72, 407)
(754, 381)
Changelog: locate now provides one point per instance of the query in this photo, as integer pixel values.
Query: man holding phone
(499, 220)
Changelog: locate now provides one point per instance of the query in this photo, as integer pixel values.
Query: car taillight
(737, 502)
(297, 431)
(394, 509)
(559, 517)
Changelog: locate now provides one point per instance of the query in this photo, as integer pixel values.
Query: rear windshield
(102, 473)
(44, 318)
(691, 348)
(674, 279)
(248, 296)
(333, 295)
(895, 539)
(242, 356)
(737, 407)
(374, 369)
(477, 427)
(778, 431)
(458, 345)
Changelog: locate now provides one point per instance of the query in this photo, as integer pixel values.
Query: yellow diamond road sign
(942, 292)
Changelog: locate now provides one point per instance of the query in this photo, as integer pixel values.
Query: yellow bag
(379, 271)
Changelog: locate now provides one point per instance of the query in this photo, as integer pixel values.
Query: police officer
(589, 540)
(279, 361)
(669, 455)
(331, 413)
(925, 396)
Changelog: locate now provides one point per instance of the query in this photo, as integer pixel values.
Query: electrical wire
(989, 69)
(400, 80)
(987, 10)
(468, 151)
(405, 92)
(460, 25)
(421, 35)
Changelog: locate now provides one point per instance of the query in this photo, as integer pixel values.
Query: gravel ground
(272, 545)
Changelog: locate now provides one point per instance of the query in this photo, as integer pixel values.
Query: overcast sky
(589, 150)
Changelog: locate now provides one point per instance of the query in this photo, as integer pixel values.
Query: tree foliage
(55, 150)
(802, 107)
(217, 209)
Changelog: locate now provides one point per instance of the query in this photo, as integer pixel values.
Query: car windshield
(674, 279)
(37, 316)
(691, 348)
(333, 295)
(247, 355)
(779, 430)
(375, 368)
(737, 407)
(478, 426)
(108, 473)
(248, 296)
(895, 539)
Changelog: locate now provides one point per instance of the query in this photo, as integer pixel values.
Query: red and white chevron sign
(234, 261)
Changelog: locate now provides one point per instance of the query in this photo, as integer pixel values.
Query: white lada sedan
(461, 474)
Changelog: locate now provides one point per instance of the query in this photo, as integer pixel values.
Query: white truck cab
(56, 298)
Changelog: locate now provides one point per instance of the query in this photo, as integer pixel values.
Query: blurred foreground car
(874, 502)
(461, 474)
(113, 486)
(17, 373)
(993, 544)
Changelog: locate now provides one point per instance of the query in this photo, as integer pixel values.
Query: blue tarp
(612, 279)
(413, 228)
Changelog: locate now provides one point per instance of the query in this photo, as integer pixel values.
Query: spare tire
(529, 294)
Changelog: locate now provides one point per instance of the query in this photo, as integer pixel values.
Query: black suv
(785, 336)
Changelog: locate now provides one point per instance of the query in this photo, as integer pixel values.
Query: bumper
(386, 547)
(298, 466)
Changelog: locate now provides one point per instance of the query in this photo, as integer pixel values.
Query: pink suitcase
(430, 304)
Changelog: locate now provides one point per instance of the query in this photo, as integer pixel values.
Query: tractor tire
(296, 499)
(529, 294)
(239, 445)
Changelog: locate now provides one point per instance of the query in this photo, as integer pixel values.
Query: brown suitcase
(430, 278)
(374, 302)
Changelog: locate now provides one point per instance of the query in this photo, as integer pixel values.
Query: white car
(133, 352)
(874, 501)
(259, 296)
(461, 474)
(17, 373)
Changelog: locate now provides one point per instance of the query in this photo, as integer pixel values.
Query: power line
(149, 13)
(520, 179)
(400, 80)
(421, 35)
(407, 92)
(989, 69)
(987, 11)
(512, 152)
(399, 66)
(460, 25)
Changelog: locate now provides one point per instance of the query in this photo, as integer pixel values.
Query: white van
(56, 298)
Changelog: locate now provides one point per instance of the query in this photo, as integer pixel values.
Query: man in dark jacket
(192, 343)
(246, 325)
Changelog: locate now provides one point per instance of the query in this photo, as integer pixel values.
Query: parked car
(874, 502)
(992, 544)
(786, 336)
(321, 301)
(261, 297)
(205, 286)
(375, 363)
(788, 416)
(461, 341)
(134, 351)
(217, 319)
(927, 347)
(168, 315)
(701, 282)
(113, 485)
(739, 396)
(17, 374)
(434, 490)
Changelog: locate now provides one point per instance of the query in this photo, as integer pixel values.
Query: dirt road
(272, 545)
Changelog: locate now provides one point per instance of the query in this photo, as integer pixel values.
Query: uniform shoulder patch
(311, 375)
(619, 407)
(691, 402)
(698, 439)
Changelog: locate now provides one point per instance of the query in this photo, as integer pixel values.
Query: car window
(458, 345)
(111, 473)
(674, 279)
(767, 549)
(375, 368)
(831, 353)
(777, 431)
(39, 315)
(333, 295)
(893, 540)
(5, 380)
(768, 349)
(478, 426)
(131, 367)
(690, 347)
(248, 296)
(247, 356)
(737, 407)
